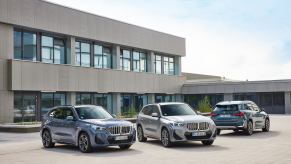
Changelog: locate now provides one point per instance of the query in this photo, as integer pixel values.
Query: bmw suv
(240, 115)
(174, 122)
(87, 127)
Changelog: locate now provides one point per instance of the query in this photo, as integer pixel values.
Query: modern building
(272, 95)
(54, 55)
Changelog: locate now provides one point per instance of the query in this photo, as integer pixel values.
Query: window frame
(54, 38)
(102, 55)
(81, 52)
(22, 31)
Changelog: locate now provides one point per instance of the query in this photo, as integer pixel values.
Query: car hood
(108, 122)
(188, 118)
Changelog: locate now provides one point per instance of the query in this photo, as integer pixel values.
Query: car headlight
(177, 124)
(97, 128)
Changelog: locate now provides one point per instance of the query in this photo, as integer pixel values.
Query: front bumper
(104, 139)
(183, 134)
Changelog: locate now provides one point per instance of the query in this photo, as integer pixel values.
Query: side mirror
(113, 115)
(70, 118)
(262, 109)
(155, 115)
(198, 112)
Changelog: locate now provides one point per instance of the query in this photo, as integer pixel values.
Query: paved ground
(271, 147)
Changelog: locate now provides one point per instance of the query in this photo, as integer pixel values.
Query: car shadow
(101, 152)
(185, 146)
(256, 134)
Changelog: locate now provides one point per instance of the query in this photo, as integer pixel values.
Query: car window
(231, 107)
(92, 112)
(146, 110)
(177, 110)
(61, 113)
(155, 109)
(250, 107)
(255, 107)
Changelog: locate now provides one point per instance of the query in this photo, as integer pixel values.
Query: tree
(204, 105)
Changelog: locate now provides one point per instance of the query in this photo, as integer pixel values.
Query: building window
(25, 107)
(193, 100)
(102, 57)
(130, 102)
(24, 45)
(168, 65)
(164, 98)
(138, 61)
(125, 60)
(82, 54)
(83, 98)
(104, 100)
(158, 64)
(52, 50)
(50, 100)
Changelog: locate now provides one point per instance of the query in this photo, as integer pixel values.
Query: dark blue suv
(240, 115)
(85, 126)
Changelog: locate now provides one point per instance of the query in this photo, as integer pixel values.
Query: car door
(144, 119)
(259, 116)
(55, 123)
(68, 125)
(154, 122)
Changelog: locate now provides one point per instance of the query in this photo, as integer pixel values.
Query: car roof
(75, 106)
(166, 103)
(234, 102)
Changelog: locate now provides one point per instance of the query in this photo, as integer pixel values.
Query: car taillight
(240, 114)
(212, 114)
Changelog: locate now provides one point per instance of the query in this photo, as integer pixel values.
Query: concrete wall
(37, 76)
(6, 51)
(55, 18)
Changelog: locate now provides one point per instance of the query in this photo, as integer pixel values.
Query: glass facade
(168, 65)
(164, 98)
(24, 45)
(25, 107)
(158, 64)
(193, 100)
(133, 60)
(272, 102)
(100, 99)
(135, 101)
(82, 51)
(102, 57)
(49, 100)
(52, 50)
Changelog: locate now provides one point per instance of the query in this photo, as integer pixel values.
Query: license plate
(198, 134)
(118, 138)
(225, 115)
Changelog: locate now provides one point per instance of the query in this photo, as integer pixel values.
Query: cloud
(241, 39)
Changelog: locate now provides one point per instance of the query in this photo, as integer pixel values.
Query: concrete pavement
(271, 147)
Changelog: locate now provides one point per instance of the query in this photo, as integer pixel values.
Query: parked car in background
(85, 126)
(240, 115)
(174, 122)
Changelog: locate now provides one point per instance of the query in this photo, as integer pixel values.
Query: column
(116, 104)
(116, 57)
(71, 98)
(228, 96)
(178, 66)
(151, 62)
(151, 98)
(287, 103)
(71, 55)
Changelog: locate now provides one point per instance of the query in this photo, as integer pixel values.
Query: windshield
(233, 107)
(92, 112)
(177, 110)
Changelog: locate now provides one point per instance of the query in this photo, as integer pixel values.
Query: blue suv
(87, 127)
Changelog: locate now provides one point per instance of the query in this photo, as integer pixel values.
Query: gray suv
(85, 126)
(174, 122)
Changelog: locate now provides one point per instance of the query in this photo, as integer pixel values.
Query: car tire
(207, 142)
(218, 132)
(84, 143)
(124, 147)
(249, 131)
(267, 125)
(165, 138)
(47, 139)
(140, 134)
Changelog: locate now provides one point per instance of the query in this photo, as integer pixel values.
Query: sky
(236, 39)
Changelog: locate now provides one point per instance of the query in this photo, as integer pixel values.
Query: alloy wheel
(83, 143)
(165, 138)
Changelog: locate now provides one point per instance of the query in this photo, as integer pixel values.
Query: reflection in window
(102, 57)
(164, 98)
(82, 54)
(52, 50)
(139, 61)
(104, 100)
(132, 101)
(125, 60)
(24, 45)
(24, 107)
(158, 64)
(50, 100)
(168, 65)
(83, 98)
